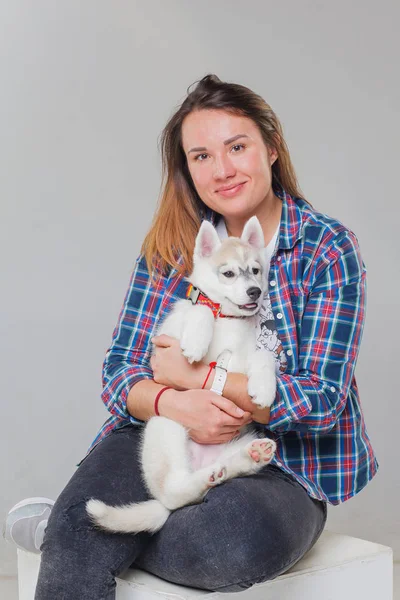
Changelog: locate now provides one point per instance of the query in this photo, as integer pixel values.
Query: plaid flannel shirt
(317, 292)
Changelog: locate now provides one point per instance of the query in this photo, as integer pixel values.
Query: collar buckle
(194, 294)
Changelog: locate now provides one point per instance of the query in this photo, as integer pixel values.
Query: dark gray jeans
(248, 530)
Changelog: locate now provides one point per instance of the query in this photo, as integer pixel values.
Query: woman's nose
(223, 167)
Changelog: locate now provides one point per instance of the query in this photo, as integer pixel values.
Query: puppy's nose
(254, 293)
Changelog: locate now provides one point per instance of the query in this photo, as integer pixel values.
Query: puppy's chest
(236, 335)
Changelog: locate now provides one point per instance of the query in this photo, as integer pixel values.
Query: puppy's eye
(229, 274)
(256, 271)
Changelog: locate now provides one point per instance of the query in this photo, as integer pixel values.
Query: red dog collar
(197, 297)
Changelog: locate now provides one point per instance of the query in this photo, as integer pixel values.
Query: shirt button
(333, 389)
(273, 282)
(289, 352)
(279, 316)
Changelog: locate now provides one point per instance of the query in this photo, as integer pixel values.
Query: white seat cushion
(337, 567)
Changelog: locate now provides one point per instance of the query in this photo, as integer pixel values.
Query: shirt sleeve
(127, 360)
(331, 331)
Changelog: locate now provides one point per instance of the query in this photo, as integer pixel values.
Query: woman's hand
(210, 418)
(171, 368)
(261, 415)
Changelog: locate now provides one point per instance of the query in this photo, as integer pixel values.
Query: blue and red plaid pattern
(317, 292)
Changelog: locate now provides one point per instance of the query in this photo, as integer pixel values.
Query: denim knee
(65, 522)
(79, 560)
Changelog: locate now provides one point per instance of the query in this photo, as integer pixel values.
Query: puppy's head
(231, 272)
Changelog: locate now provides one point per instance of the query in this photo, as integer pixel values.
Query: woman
(224, 159)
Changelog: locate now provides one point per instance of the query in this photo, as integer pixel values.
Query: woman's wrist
(168, 403)
(197, 377)
(236, 390)
(207, 375)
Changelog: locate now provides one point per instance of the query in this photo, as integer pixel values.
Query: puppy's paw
(262, 388)
(216, 476)
(261, 451)
(193, 349)
(197, 333)
(262, 378)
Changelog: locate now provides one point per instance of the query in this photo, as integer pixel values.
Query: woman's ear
(273, 155)
(207, 240)
(253, 234)
(272, 149)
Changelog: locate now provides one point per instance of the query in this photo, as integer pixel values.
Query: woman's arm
(236, 390)
(331, 331)
(140, 401)
(127, 359)
(209, 418)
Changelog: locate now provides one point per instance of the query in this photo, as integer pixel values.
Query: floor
(9, 588)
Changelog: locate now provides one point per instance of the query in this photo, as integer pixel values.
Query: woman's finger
(222, 439)
(228, 407)
(226, 428)
(163, 341)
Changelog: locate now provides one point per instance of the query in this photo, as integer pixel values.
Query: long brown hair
(180, 210)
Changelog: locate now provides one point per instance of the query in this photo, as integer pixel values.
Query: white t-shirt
(267, 333)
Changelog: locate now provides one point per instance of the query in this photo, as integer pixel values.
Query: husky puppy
(176, 470)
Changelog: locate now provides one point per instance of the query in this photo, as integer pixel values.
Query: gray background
(86, 88)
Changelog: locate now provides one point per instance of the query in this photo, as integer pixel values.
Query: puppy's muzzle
(254, 293)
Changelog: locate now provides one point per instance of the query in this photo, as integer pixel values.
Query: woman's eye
(238, 146)
(199, 158)
(256, 271)
(229, 274)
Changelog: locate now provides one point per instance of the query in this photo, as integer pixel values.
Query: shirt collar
(210, 215)
(291, 220)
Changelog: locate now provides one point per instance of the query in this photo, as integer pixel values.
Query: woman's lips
(232, 191)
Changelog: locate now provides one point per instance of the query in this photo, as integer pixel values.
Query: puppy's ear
(253, 233)
(207, 240)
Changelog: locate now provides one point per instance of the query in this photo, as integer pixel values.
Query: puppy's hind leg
(247, 455)
(164, 451)
(182, 488)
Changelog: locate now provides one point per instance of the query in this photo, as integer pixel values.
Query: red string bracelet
(157, 399)
(212, 366)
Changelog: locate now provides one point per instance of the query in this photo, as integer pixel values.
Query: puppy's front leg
(261, 377)
(197, 332)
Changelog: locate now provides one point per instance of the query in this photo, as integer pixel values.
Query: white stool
(338, 567)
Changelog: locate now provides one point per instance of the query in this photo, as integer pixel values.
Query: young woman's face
(227, 151)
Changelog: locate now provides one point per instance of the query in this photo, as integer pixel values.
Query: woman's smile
(232, 191)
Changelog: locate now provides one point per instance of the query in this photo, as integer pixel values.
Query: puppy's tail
(130, 518)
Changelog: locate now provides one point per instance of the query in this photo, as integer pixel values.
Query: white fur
(166, 447)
